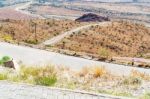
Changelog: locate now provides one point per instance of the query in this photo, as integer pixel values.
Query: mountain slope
(119, 39)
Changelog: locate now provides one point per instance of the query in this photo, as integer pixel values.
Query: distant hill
(119, 0)
(90, 17)
(104, 0)
(110, 0)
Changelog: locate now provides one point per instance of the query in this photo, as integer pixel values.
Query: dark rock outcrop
(90, 17)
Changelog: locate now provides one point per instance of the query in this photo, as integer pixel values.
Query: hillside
(119, 39)
(34, 31)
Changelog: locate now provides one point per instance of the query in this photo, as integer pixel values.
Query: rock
(9, 64)
(12, 64)
(90, 17)
(16, 65)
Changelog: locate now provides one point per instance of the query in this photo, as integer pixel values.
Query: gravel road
(23, 91)
(30, 56)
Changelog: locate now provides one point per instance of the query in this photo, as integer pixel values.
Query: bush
(104, 53)
(146, 95)
(1, 62)
(7, 38)
(46, 81)
(39, 75)
(3, 76)
(98, 71)
(31, 41)
(6, 59)
(132, 81)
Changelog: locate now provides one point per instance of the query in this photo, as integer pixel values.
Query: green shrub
(132, 81)
(6, 59)
(7, 38)
(46, 81)
(1, 62)
(31, 41)
(26, 72)
(39, 75)
(3, 76)
(104, 53)
(145, 96)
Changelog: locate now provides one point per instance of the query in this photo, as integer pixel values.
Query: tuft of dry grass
(84, 71)
(96, 71)
(99, 71)
(144, 76)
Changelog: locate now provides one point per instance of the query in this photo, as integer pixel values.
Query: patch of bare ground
(8, 13)
(54, 10)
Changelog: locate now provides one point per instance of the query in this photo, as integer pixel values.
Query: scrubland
(121, 38)
(34, 31)
(93, 79)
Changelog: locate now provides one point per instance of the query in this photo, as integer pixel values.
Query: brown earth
(119, 39)
(54, 10)
(34, 31)
(8, 13)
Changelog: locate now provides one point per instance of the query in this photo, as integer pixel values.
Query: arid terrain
(34, 31)
(118, 39)
(45, 10)
(62, 48)
(7, 13)
(138, 12)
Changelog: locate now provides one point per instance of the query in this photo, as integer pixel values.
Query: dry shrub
(99, 71)
(84, 71)
(96, 71)
(144, 76)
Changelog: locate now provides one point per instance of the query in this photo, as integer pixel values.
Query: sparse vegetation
(46, 81)
(95, 79)
(146, 95)
(104, 53)
(3, 76)
(99, 71)
(34, 31)
(122, 38)
(132, 81)
(4, 59)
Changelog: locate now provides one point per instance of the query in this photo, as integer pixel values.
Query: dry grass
(93, 79)
(99, 71)
(96, 71)
(119, 39)
(141, 75)
(34, 31)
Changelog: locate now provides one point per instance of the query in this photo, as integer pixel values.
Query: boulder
(90, 17)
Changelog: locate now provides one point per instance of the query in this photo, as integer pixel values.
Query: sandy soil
(133, 8)
(55, 11)
(8, 13)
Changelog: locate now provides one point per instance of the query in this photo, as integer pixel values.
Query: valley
(95, 49)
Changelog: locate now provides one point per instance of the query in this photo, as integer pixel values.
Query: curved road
(24, 6)
(58, 38)
(30, 56)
